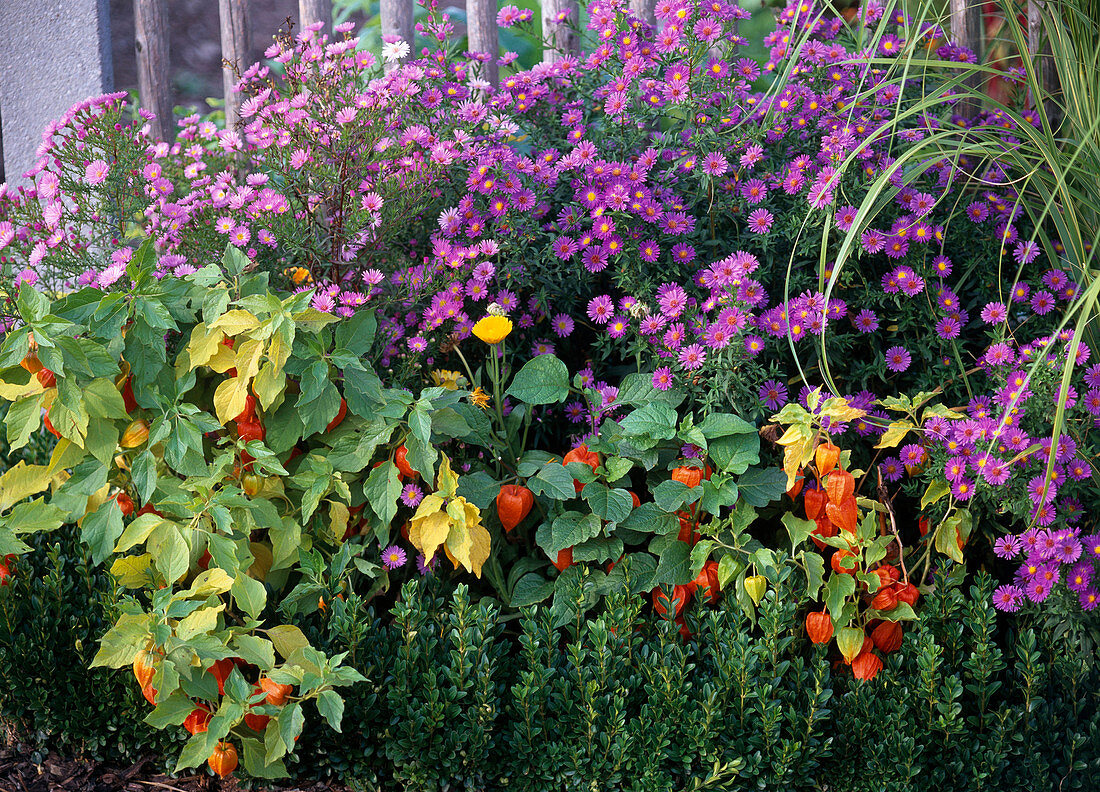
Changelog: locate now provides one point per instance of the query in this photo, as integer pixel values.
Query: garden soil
(59, 774)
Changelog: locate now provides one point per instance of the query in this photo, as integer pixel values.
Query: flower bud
(136, 434)
(755, 586)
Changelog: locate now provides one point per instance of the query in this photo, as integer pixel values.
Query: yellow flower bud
(136, 434)
(755, 586)
(493, 329)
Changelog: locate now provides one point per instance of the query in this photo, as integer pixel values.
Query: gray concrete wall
(53, 53)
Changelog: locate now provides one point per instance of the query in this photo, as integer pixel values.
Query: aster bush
(657, 321)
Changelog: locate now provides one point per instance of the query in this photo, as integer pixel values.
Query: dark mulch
(60, 774)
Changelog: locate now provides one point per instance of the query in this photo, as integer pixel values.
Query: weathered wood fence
(23, 120)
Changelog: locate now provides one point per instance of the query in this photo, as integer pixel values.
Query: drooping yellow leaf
(269, 383)
(21, 482)
(212, 581)
(459, 541)
(248, 358)
(200, 622)
(65, 454)
(133, 571)
(138, 531)
(278, 350)
(937, 489)
(235, 322)
(480, 540)
(204, 344)
(839, 409)
(313, 320)
(288, 639)
(895, 433)
(11, 392)
(229, 399)
(222, 360)
(263, 559)
(446, 482)
(338, 519)
(942, 411)
(468, 541)
(793, 434)
(429, 532)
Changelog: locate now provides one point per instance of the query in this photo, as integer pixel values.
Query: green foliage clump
(457, 699)
(55, 608)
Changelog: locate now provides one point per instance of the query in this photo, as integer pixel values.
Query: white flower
(395, 50)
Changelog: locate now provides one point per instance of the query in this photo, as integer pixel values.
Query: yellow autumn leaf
(288, 640)
(204, 344)
(235, 322)
(229, 399)
(792, 435)
(199, 622)
(21, 482)
(895, 433)
(10, 392)
(133, 571)
(338, 514)
(263, 559)
(248, 358)
(278, 350)
(480, 540)
(269, 383)
(427, 533)
(313, 320)
(937, 489)
(446, 482)
(212, 581)
(839, 409)
(223, 359)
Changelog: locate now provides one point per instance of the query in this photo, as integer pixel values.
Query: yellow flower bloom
(446, 379)
(493, 329)
(480, 398)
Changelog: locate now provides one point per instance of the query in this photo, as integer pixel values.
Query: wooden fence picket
(397, 20)
(966, 30)
(482, 31)
(151, 45)
(234, 30)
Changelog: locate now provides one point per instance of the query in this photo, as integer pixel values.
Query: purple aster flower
(1000, 354)
(963, 489)
(662, 378)
(754, 345)
(692, 357)
(865, 321)
(1080, 577)
(913, 454)
(562, 325)
(760, 221)
(574, 411)
(897, 359)
(994, 313)
(1068, 550)
(948, 328)
(424, 566)
(393, 557)
(773, 394)
(1089, 599)
(1042, 303)
(891, 468)
(600, 309)
(1007, 546)
(1037, 589)
(1008, 598)
(411, 495)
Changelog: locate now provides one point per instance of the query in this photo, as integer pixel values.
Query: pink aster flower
(96, 171)
(393, 557)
